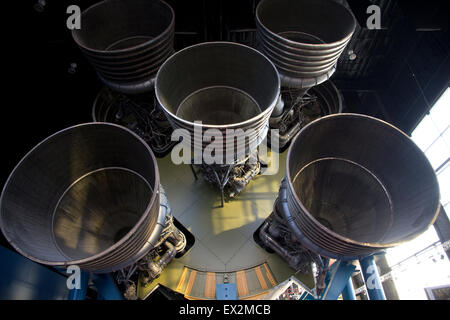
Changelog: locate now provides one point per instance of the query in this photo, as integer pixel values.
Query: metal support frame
(349, 292)
(442, 227)
(337, 279)
(193, 171)
(372, 278)
(221, 179)
(80, 294)
(223, 173)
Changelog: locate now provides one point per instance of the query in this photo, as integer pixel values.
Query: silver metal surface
(303, 38)
(84, 196)
(127, 41)
(355, 185)
(225, 85)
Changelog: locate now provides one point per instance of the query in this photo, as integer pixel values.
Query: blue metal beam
(372, 278)
(80, 294)
(337, 279)
(349, 292)
(23, 279)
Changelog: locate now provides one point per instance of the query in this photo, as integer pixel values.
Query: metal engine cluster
(90, 195)
(275, 236)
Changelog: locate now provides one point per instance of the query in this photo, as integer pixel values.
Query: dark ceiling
(405, 64)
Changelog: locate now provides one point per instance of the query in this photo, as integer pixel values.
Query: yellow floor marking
(269, 275)
(190, 282)
(195, 298)
(210, 285)
(182, 279)
(241, 282)
(261, 279)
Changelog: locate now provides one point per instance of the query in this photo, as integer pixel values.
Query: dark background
(399, 72)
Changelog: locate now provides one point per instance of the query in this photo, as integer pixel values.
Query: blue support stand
(349, 292)
(80, 294)
(372, 278)
(23, 279)
(337, 279)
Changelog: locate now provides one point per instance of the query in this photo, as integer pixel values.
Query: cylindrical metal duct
(354, 185)
(303, 38)
(127, 41)
(87, 195)
(326, 100)
(226, 86)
